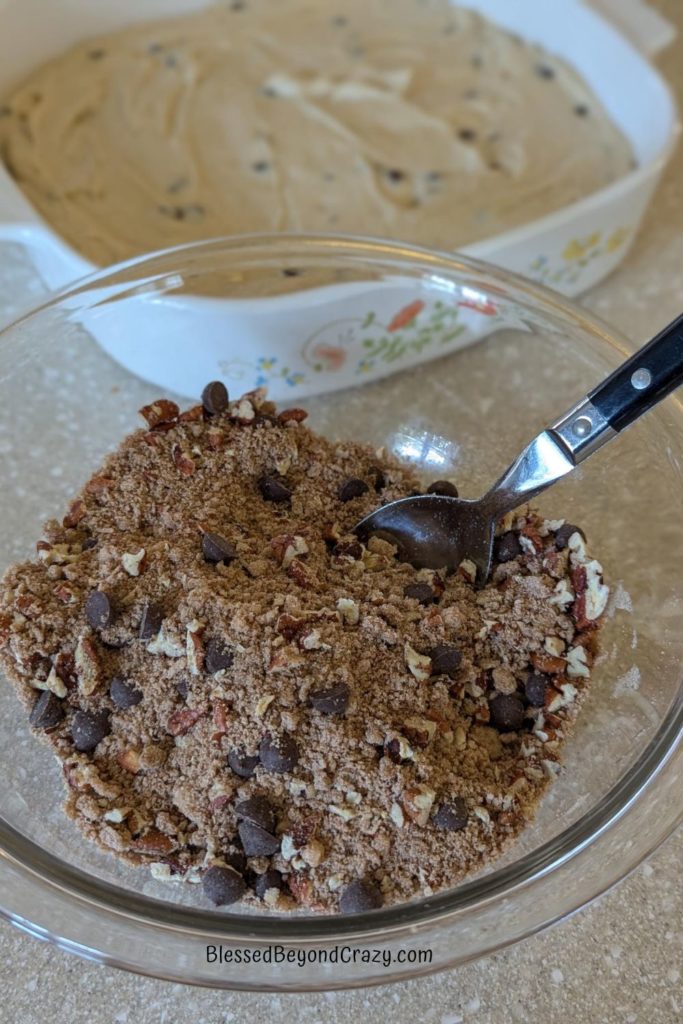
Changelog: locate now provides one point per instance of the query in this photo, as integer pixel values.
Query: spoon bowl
(432, 531)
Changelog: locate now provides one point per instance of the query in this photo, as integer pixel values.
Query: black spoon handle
(643, 380)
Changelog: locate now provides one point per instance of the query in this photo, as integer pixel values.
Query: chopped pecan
(243, 412)
(195, 650)
(301, 888)
(299, 572)
(534, 544)
(76, 512)
(331, 533)
(420, 731)
(154, 843)
(419, 664)
(182, 720)
(29, 605)
(288, 416)
(548, 663)
(160, 412)
(98, 484)
(65, 667)
(417, 803)
(133, 563)
(129, 760)
(65, 593)
(304, 830)
(183, 462)
(88, 666)
(287, 546)
(191, 415)
(215, 438)
(220, 710)
(5, 627)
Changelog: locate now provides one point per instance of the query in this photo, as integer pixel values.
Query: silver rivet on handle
(641, 379)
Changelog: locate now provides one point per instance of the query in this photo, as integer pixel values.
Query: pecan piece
(160, 412)
(154, 843)
(298, 572)
(88, 667)
(183, 462)
(288, 416)
(76, 512)
(182, 720)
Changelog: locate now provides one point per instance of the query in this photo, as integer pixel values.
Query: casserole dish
(569, 249)
(63, 404)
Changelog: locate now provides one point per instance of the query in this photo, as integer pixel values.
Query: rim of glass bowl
(44, 869)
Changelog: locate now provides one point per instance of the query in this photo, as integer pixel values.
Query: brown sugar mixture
(243, 695)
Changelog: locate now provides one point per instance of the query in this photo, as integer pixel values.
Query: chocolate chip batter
(401, 118)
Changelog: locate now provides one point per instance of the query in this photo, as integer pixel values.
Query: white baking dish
(569, 249)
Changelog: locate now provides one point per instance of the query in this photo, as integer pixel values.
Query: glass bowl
(64, 402)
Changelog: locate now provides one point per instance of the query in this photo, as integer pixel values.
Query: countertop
(617, 962)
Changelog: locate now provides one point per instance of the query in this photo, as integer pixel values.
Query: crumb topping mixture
(241, 694)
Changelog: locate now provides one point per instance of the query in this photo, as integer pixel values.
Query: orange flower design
(406, 315)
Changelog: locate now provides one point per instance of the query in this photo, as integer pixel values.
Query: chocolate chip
(150, 623)
(47, 711)
(544, 71)
(257, 810)
(360, 895)
(444, 487)
(290, 272)
(260, 166)
(217, 549)
(89, 543)
(256, 841)
(243, 764)
(96, 54)
(352, 488)
(535, 688)
(223, 885)
(564, 533)
(215, 398)
(332, 701)
(124, 694)
(445, 660)
(182, 687)
(421, 592)
(278, 753)
(467, 134)
(507, 547)
(270, 879)
(581, 110)
(451, 815)
(98, 610)
(88, 728)
(507, 712)
(273, 489)
(217, 656)
(380, 480)
(394, 175)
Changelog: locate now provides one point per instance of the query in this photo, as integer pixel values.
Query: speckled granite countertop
(618, 962)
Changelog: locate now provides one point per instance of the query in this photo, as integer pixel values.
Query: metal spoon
(433, 531)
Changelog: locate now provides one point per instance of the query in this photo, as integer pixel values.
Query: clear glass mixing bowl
(64, 403)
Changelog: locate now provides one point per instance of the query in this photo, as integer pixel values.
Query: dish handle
(645, 27)
(55, 262)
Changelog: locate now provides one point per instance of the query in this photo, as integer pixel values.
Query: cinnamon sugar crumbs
(246, 651)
